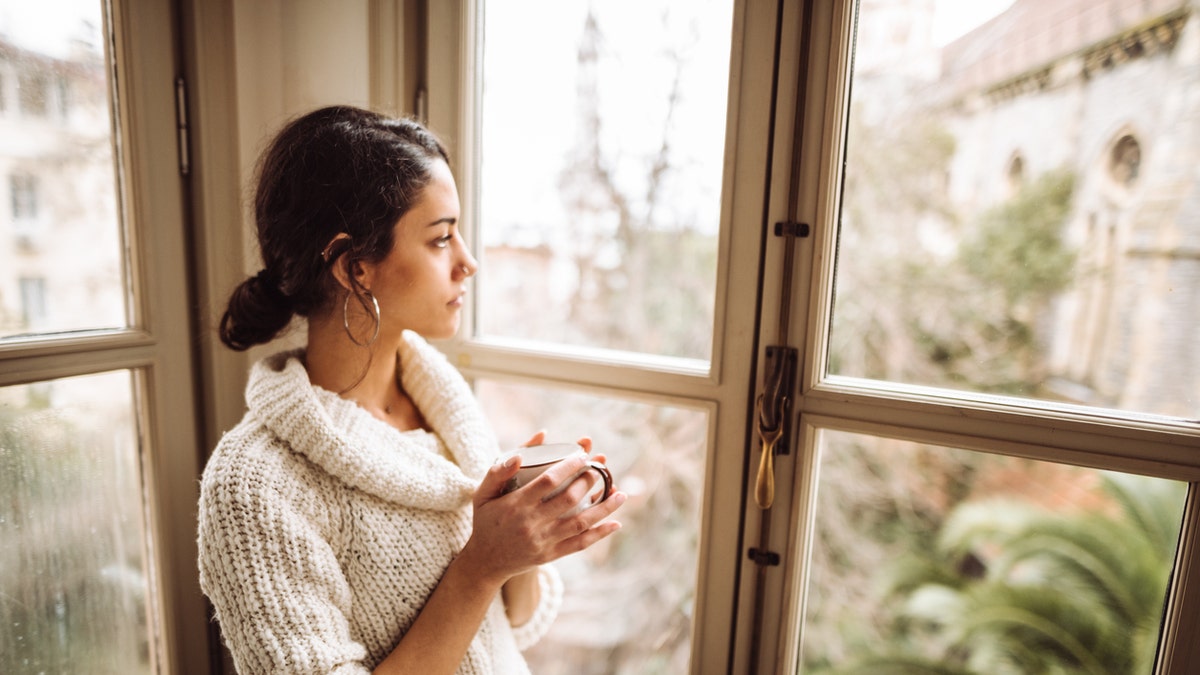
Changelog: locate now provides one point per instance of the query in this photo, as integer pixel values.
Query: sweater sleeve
(278, 592)
(550, 599)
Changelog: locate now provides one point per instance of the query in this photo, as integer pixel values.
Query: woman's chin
(444, 333)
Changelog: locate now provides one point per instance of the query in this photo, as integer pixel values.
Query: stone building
(1109, 90)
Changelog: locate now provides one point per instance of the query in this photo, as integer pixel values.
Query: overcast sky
(953, 18)
(48, 26)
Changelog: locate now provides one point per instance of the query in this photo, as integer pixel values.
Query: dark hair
(336, 169)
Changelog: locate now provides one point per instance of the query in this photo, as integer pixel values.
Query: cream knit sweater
(323, 530)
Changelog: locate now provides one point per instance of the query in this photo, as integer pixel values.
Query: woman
(355, 520)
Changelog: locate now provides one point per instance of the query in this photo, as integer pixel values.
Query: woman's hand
(585, 443)
(514, 533)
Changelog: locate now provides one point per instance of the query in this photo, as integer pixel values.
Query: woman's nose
(469, 265)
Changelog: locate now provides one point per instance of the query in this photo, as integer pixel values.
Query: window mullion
(1163, 450)
(1179, 651)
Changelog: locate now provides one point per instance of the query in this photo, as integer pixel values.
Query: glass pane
(61, 248)
(939, 560)
(606, 234)
(1020, 211)
(73, 577)
(628, 600)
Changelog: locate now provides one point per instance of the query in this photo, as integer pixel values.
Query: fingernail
(512, 461)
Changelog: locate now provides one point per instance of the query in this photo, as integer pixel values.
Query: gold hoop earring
(346, 320)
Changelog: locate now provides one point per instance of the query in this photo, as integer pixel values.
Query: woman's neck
(369, 376)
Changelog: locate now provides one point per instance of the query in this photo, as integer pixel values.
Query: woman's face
(421, 283)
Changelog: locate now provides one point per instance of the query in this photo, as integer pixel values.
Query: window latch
(772, 413)
(788, 228)
(763, 558)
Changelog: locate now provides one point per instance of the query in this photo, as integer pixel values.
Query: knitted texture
(323, 530)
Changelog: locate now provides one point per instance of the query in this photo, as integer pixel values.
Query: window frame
(725, 384)
(793, 292)
(155, 345)
(1113, 440)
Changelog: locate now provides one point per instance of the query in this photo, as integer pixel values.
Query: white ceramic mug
(535, 459)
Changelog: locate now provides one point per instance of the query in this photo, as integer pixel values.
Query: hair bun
(266, 284)
(258, 310)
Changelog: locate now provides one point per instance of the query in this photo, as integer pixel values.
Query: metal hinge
(421, 105)
(181, 126)
(792, 229)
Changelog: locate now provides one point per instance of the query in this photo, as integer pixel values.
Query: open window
(999, 412)
(98, 437)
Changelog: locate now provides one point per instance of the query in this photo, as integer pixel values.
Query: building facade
(61, 249)
(1110, 91)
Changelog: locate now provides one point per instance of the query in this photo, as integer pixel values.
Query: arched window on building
(1124, 161)
(1015, 174)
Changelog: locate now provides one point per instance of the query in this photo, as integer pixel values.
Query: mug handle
(606, 476)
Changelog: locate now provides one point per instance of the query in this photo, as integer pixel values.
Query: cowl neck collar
(368, 454)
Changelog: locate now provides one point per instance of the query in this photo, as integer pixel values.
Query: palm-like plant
(1012, 588)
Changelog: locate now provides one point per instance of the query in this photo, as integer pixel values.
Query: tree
(1008, 268)
(1014, 589)
(895, 169)
(645, 273)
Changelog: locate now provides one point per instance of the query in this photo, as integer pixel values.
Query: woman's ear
(342, 267)
(362, 273)
(351, 273)
(339, 270)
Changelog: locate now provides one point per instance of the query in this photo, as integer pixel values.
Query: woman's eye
(443, 241)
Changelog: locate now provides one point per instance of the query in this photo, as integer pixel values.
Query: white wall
(292, 56)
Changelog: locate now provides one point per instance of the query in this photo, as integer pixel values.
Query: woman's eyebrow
(448, 220)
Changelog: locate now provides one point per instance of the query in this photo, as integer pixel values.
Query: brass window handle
(764, 487)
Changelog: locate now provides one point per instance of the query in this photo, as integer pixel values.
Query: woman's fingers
(566, 483)
(492, 485)
(582, 489)
(588, 526)
(536, 439)
(546, 485)
(542, 521)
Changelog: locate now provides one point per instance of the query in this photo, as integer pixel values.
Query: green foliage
(909, 310)
(902, 664)
(1010, 265)
(1047, 592)
(1018, 246)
